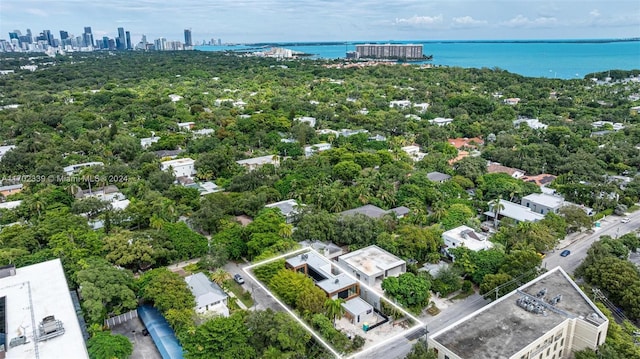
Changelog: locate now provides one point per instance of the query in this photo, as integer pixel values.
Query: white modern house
(311, 121)
(372, 264)
(543, 203)
(617, 126)
(401, 104)
(69, 170)
(209, 296)
(514, 211)
(181, 167)
(148, 141)
(186, 126)
(289, 208)
(318, 147)
(253, 163)
(464, 236)
(414, 152)
(511, 101)
(422, 107)
(5, 149)
(203, 132)
(441, 121)
(533, 123)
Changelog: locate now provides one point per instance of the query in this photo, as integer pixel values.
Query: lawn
(240, 292)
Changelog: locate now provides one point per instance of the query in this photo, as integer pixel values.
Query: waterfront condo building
(389, 51)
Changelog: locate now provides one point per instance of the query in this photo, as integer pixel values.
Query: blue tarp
(161, 333)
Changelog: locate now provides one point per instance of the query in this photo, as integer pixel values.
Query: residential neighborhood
(220, 206)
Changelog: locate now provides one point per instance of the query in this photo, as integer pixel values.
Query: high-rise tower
(87, 37)
(122, 40)
(187, 38)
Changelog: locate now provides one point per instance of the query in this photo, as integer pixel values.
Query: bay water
(539, 58)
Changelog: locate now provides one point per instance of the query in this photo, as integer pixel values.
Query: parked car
(238, 278)
(626, 220)
(565, 253)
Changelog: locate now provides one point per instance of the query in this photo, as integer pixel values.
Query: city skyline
(328, 20)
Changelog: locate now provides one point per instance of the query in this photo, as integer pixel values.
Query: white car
(625, 220)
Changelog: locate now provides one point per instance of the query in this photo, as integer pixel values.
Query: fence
(122, 318)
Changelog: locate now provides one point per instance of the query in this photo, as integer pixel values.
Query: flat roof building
(549, 317)
(372, 264)
(389, 51)
(40, 320)
(69, 170)
(372, 211)
(543, 203)
(289, 208)
(464, 236)
(181, 167)
(334, 284)
(253, 163)
(514, 211)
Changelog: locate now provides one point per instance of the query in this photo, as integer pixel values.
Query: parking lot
(143, 347)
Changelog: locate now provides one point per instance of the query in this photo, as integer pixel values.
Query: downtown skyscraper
(187, 38)
(121, 41)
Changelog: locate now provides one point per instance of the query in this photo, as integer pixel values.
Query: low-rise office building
(38, 315)
(547, 318)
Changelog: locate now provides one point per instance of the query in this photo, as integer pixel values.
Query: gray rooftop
(437, 176)
(335, 283)
(368, 210)
(546, 200)
(503, 328)
(168, 153)
(372, 211)
(356, 306)
(287, 207)
(11, 187)
(311, 259)
(204, 290)
(400, 211)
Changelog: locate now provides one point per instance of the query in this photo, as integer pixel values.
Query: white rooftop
(469, 238)
(517, 212)
(33, 293)
(259, 160)
(10, 205)
(177, 162)
(371, 260)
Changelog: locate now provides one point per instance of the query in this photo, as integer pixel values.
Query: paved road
(579, 244)
(261, 299)
(401, 347)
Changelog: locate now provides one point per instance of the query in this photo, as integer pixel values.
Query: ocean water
(559, 59)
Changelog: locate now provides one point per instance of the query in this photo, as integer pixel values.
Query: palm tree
(334, 309)
(285, 230)
(156, 222)
(220, 276)
(496, 206)
(439, 211)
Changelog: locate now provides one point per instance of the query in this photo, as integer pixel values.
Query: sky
(246, 21)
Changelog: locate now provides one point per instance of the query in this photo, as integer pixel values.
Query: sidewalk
(238, 301)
